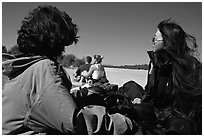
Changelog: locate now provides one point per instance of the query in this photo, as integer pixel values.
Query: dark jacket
(159, 89)
(180, 112)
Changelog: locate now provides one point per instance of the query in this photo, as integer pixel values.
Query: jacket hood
(14, 67)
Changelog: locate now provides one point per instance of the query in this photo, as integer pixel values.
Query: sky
(119, 31)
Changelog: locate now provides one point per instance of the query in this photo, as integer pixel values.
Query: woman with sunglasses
(174, 85)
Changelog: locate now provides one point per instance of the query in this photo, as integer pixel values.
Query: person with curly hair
(36, 99)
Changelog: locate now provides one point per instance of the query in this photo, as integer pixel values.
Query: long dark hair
(181, 48)
(46, 31)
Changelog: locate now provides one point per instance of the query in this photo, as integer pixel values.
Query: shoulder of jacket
(47, 68)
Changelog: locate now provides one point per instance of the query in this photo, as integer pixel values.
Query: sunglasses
(154, 40)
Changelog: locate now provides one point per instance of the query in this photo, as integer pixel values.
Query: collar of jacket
(15, 67)
(159, 58)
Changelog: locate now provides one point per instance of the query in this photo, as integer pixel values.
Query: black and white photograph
(102, 68)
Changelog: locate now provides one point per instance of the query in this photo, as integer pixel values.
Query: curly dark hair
(46, 31)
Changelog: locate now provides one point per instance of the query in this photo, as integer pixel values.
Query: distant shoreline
(137, 67)
(134, 67)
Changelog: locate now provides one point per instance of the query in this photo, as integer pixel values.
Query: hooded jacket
(36, 98)
(162, 93)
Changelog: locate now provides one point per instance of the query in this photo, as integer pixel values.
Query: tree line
(70, 60)
(140, 66)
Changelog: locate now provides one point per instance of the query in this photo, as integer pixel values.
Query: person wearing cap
(96, 71)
